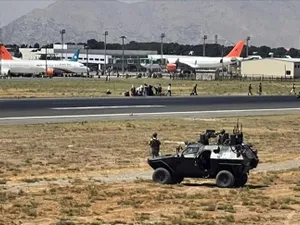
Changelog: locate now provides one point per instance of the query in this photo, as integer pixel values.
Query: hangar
(94, 58)
(271, 68)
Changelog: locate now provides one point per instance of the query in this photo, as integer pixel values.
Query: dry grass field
(31, 88)
(51, 149)
(269, 199)
(72, 151)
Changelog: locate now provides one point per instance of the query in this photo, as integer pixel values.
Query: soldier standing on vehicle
(250, 90)
(155, 145)
(220, 136)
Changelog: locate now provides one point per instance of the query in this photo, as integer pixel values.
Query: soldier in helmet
(155, 145)
(220, 136)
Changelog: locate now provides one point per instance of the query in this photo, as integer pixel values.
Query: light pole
(46, 65)
(105, 34)
(0, 57)
(216, 39)
(123, 37)
(222, 60)
(1, 51)
(87, 59)
(204, 38)
(247, 49)
(299, 45)
(62, 32)
(162, 36)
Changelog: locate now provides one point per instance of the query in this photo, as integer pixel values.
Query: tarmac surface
(18, 111)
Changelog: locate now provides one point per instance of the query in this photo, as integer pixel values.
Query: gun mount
(236, 138)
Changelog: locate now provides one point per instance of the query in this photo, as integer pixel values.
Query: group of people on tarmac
(147, 90)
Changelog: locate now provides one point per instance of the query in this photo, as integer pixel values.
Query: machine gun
(235, 138)
(204, 138)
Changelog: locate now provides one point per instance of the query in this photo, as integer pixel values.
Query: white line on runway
(146, 114)
(109, 107)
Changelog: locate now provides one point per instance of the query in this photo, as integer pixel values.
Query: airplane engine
(171, 67)
(50, 72)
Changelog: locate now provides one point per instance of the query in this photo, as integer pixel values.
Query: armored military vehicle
(228, 160)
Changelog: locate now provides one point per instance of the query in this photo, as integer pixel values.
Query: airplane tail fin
(5, 54)
(75, 56)
(237, 50)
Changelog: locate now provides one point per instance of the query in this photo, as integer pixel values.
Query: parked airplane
(49, 67)
(197, 62)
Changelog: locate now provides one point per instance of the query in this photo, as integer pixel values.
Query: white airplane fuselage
(198, 62)
(39, 66)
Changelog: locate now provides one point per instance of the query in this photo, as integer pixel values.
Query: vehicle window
(191, 150)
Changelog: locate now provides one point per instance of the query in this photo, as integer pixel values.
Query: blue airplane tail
(75, 56)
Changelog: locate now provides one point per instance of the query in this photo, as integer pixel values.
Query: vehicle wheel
(161, 175)
(241, 181)
(177, 179)
(225, 179)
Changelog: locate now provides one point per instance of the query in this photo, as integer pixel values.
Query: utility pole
(222, 60)
(87, 59)
(62, 32)
(123, 37)
(162, 36)
(105, 34)
(1, 44)
(216, 39)
(0, 54)
(46, 63)
(299, 45)
(0, 58)
(204, 38)
(247, 49)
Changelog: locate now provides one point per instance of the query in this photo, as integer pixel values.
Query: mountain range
(272, 23)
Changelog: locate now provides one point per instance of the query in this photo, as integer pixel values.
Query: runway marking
(109, 107)
(145, 114)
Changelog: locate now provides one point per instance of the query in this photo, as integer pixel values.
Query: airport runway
(78, 109)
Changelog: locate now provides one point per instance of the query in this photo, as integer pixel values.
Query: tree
(36, 45)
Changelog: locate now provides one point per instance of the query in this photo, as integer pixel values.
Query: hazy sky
(13, 9)
(17, 8)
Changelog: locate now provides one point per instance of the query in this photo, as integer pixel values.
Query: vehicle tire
(241, 180)
(225, 179)
(177, 179)
(162, 176)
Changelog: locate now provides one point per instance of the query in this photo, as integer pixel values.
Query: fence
(228, 77)
(259, 78)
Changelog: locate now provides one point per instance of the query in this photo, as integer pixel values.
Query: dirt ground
(30, 88)
(270, 198)
(69, 153)
(46, 150)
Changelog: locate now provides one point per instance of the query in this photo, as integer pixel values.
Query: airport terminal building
(271, 68)
(94, 58)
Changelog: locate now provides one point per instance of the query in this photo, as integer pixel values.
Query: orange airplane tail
(237, 50)
(5, 54)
